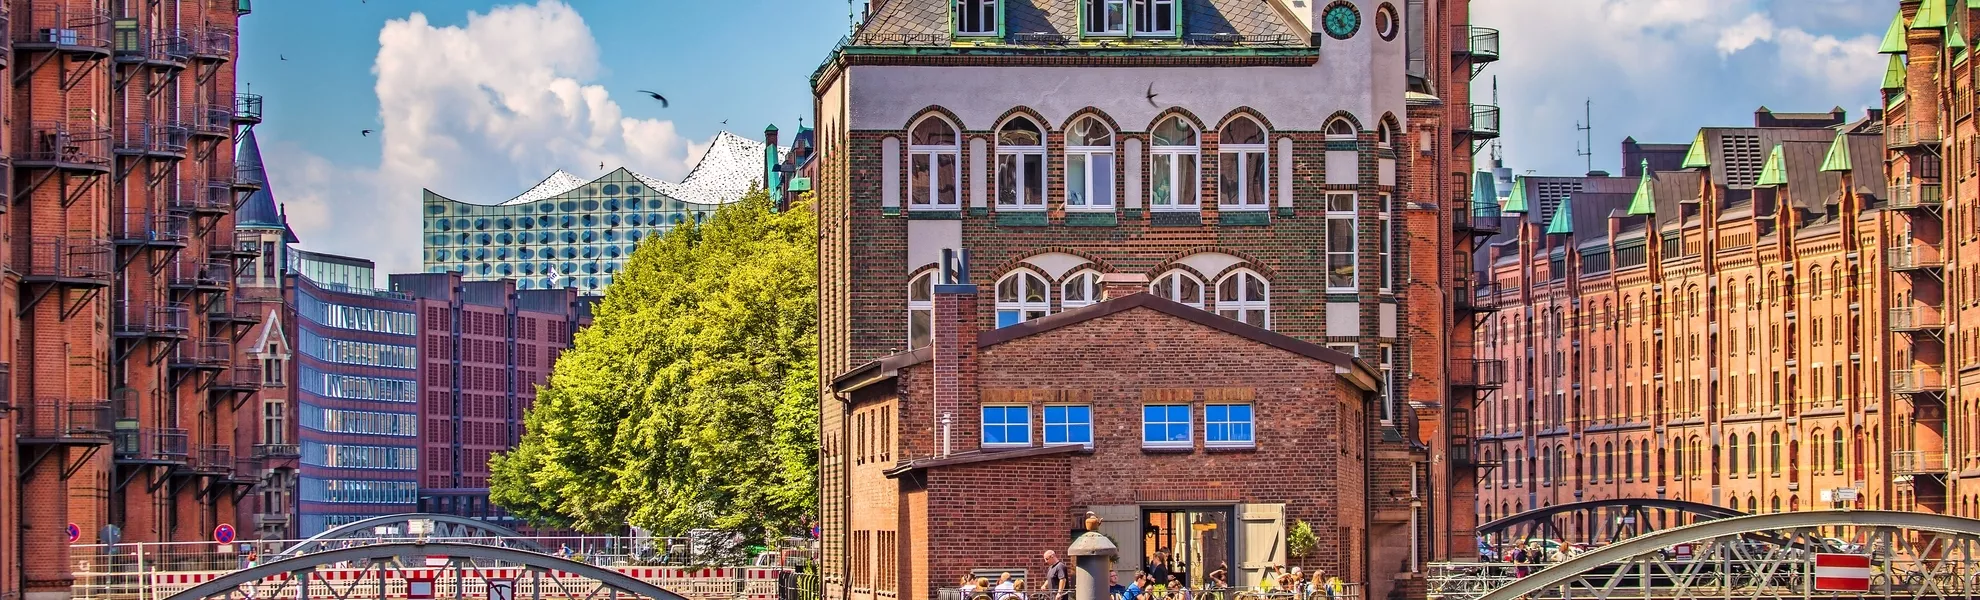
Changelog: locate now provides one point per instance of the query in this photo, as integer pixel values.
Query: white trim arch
(1244, 295)
(935, 155)
(1179, 286)
(1022, 295)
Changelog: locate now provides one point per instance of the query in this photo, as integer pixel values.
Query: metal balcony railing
(241, 377)
(68, 259)
(1918, 462)
(213, 43)
(1484, 121)
(55, 420)
(151, 319)
(1482, 373)
(1917, 381)
(1916, 195)
(1482, 297)
(277, 451)
(151, 445)
(158, 138)
(212, 120)
(1480, 43)
(1915, 257)
(209, 353)
(78, 145)
(1907, 318)
(214, 459)
(1466, 218)
(145, 228)
(63, 28)
(1910, 136)
(204, 275)
(247, 108)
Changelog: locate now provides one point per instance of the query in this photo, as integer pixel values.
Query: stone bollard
(1092, 554)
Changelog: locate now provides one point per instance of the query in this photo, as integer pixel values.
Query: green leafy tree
(691, 401)
(1301, 541)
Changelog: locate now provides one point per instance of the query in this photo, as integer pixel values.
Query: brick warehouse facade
(1794, 329)
(933, 133)
(123, 368)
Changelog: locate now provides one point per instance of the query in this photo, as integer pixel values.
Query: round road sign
(224, 534)
(75, 533)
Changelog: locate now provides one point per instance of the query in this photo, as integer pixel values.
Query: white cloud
(478, 113)
(1659, 69)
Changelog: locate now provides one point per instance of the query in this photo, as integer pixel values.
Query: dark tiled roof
(1715, 143)
(1809, 187)
(1671, 188)
(1591, 213)
(926, 22)
(1866, 162)
(258, 211)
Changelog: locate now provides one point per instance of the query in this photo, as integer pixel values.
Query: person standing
(1055, 576)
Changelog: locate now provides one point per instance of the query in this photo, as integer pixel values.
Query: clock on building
(1341, 20)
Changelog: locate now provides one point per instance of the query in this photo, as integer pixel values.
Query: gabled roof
(1644, 202)
(1931, 15)
(1774, 173)
(1516, 202)
(1894, 37)
(732, 166)
(1484, 195)
(1837, 159)
(1563, 221)
(259, 210)
(1894, 73)
(1695, 158)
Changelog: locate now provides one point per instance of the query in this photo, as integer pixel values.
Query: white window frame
(1244, 153)
(984, 426)
(1353, 219)
(1250, 426)
(1090, 18)
(1085, 188)
(1089, 279)
(934, 154)
(1385, 135)
(1175, 291)
(1385, 363)
(926, 307)
(1385, 253)
(988, 12)
(1244, 303)
(1025, 280)
(1045, 419)
(1189, 425)
(1151, 7)
(274, 427)
(1019, 155)
(1350, 135)
(1175, 156)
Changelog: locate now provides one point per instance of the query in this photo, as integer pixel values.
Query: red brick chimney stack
(1122, 285)
(955, 356)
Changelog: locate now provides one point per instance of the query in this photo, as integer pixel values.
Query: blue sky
(479, 99)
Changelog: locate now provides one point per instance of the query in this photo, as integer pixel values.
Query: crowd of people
(1157, 580)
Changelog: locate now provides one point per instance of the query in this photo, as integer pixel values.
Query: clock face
(1341, 20)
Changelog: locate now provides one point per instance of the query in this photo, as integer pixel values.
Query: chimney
(955, 356)
(770, 135)
(1122, 285)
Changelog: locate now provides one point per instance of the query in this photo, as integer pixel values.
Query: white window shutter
(890, 172)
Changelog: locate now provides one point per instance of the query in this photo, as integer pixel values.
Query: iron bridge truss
(454, 570)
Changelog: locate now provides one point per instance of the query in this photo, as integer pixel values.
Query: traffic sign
(75, 533)
(224, 534)
(501, 589)
(1846, 494)
(436, 560)
(1842, 572)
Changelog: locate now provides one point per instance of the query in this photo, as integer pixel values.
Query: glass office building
(569, 232)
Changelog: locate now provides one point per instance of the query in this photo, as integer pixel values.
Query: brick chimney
(954, 346)
(1122, 285)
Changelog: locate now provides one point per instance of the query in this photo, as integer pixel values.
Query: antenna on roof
(1585, 148)
(1498, 157)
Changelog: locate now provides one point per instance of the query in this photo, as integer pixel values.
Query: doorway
(1188, 542)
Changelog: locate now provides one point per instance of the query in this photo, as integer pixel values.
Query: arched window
(1837, 447)
(1774, 505)
(1242, 175)
(1646, 460)
(1752, 504)
(1546, 473)
(1243, 295)
(1815, 450)
(1180, 287)
(1340, 128)
(1173, 157)
(1774, 453)
(921, 310)
(1020, 165)
(1082, 289)
(1609, 456)
(1752, 455)
(1089, 165)
(934, 153)
(1022, 296)
(1519, 467)
(1385, 134)
(1629, 460)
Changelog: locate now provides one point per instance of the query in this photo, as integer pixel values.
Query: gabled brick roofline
(1346, 365)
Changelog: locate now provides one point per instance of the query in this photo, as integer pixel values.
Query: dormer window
(977, 17)
(1155, 17)
(1103, 17)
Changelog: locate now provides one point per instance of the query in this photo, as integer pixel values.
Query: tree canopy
(692, 399)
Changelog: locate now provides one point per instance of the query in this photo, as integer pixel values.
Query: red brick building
(122, 318)
(1299, 166)
(1188, 433)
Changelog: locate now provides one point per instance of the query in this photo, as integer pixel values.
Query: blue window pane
(611, 190)
(528, 223)
(591, 282)
(591, 205)
(525, 254)
(504, 238)
(1007, 318)
(481, 223)
(504, 223)
(632, 220)
(444, 225)
(611, 221)
(633, 190)
(590, 221)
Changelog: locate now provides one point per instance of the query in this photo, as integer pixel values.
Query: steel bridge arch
(1543, 518)
(446, 526)
(1623, 551)
(539, 564)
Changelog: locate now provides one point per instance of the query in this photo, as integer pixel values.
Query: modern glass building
(569, 232)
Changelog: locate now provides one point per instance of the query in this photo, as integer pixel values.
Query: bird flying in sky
(366, 133)
(656, 96)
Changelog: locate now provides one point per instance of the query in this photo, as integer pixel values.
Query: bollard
(1092, 554)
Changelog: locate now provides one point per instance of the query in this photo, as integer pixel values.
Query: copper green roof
(1955, 38)
(1894, 37)
(1563, 221)
(1484, 195)
(1774, 174)
(1838, 158)
(1696, 158)
(1516, 203)
(1894, 74)
(1931, 15)
(1645, 202)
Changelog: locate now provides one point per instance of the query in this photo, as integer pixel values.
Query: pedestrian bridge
(1911, 555)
